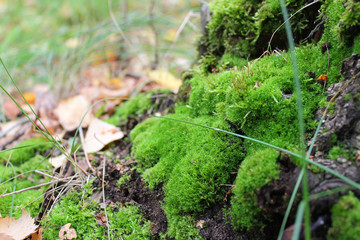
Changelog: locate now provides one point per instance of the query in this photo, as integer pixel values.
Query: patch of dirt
(134, 191)
(215, 224)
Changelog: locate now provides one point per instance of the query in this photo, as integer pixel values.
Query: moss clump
(192, 162)
(255, 172)
(28, 179)
(243, 28)
(349, 24)
(125, 223)
(26, 150)
(345, 219)
(136, 106)
(182, 227)
(337, 151)
(255, 99)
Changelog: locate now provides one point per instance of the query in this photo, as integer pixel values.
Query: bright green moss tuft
(255, 172)
(26, 150)
(255, 99)
(28, 179)
(345, 219)
(182, 227)
(337, 151)
(136, 106)
(125, 223)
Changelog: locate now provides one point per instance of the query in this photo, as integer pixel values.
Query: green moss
(347, 97)
(26, 150)
(125, 223)
(345, 219)
(136, 106)
(182, 227)
(349, 24)
(255, 172)
(243, 28)
(123, 180)
(28, 179)
(255, 99)
(337, 151)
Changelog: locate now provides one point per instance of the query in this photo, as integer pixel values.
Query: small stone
(341, 160)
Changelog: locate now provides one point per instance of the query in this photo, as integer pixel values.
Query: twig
(156, 35)
(84, 149)
(327, 70)
(20, 122)
(314, 30)
(182, 26)
(125, 9)
(30, 188)
(280, 54)
(121, 32)
(103, 193)
(47, 175)
(15, 137)
(61, 192)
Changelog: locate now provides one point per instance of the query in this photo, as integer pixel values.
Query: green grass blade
(298, 221)
(305, 187)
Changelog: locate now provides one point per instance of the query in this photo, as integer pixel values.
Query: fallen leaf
(200, 224)
(70, 112)
(17, 229)
(165, 78)
(38, 234)
(66, 232)
(10, 109)
(58, 161)
(99, 134)
(4, 236)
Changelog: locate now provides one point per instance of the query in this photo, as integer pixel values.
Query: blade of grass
(298, 221)
(308, 155)
(305, 187)
(345, 179)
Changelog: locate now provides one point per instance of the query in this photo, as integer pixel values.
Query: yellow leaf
(165, 78)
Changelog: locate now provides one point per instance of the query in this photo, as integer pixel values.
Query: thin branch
(155, 63)
(30, 188)
(84, 149)
(272, 36)
(121, 31)
(181, 28)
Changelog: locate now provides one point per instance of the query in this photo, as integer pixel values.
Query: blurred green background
(50, 41)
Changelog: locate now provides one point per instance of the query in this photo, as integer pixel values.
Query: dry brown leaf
(38, 234)
(18, 229)
(58, 161)
(165, 78)
(70, 112)
(10, 109)
(99, 134)
(4, 236)
(200, 224)
(66, 232)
